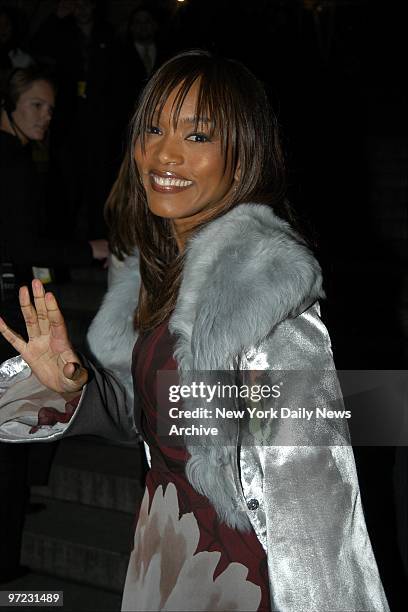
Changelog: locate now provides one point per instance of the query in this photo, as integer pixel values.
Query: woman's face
(182, 169)
(34, 110)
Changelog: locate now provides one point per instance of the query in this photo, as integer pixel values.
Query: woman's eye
(199, 138)
(152, 129)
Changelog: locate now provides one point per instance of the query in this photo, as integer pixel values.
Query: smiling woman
(265, 514)
(181, 165)
(207, 123)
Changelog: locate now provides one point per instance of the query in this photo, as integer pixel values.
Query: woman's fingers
(39, 301)
(29, 313)
(12, 337)
(56, 320)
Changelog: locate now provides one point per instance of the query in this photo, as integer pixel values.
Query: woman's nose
(47, 114)
(170, 151)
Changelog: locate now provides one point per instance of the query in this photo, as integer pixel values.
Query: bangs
(214, 107)
(232, 105)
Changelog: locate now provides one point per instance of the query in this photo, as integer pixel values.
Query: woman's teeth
(170, 182)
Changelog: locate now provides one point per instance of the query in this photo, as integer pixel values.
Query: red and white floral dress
(183, 557)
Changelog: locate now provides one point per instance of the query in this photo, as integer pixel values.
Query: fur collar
(244, 273)
(111, 335)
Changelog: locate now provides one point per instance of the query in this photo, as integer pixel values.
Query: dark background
(335, 72)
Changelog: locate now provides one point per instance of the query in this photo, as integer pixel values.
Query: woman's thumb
(75, 372)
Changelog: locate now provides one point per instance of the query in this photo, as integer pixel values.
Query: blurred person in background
(141, 43)
(143, 48)
(78, 43)
(12, 52)
(26, 113)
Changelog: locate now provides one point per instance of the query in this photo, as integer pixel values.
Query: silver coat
(248, 302)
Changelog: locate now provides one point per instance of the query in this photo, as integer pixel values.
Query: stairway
(80, 542)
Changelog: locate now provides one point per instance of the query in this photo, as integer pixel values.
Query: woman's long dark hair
(237, 105)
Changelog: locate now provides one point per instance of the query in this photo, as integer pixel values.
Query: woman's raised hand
(48, 351)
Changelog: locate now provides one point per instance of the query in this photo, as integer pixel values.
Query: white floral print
(164, 572)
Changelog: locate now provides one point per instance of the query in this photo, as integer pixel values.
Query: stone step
(92, 472)
(77, 597)
(88, 545)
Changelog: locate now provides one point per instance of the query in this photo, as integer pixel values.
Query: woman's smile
(168, 182)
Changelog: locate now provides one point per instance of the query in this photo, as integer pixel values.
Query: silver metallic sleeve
(104, 408)
(305, 498)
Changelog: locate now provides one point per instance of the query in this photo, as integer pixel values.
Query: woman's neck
(11, 128)
(180, 240)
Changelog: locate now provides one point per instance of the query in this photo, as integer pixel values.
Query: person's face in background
(183, 169)
(143, 27)
(84, 11)
(34, 109)
(6, 28)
